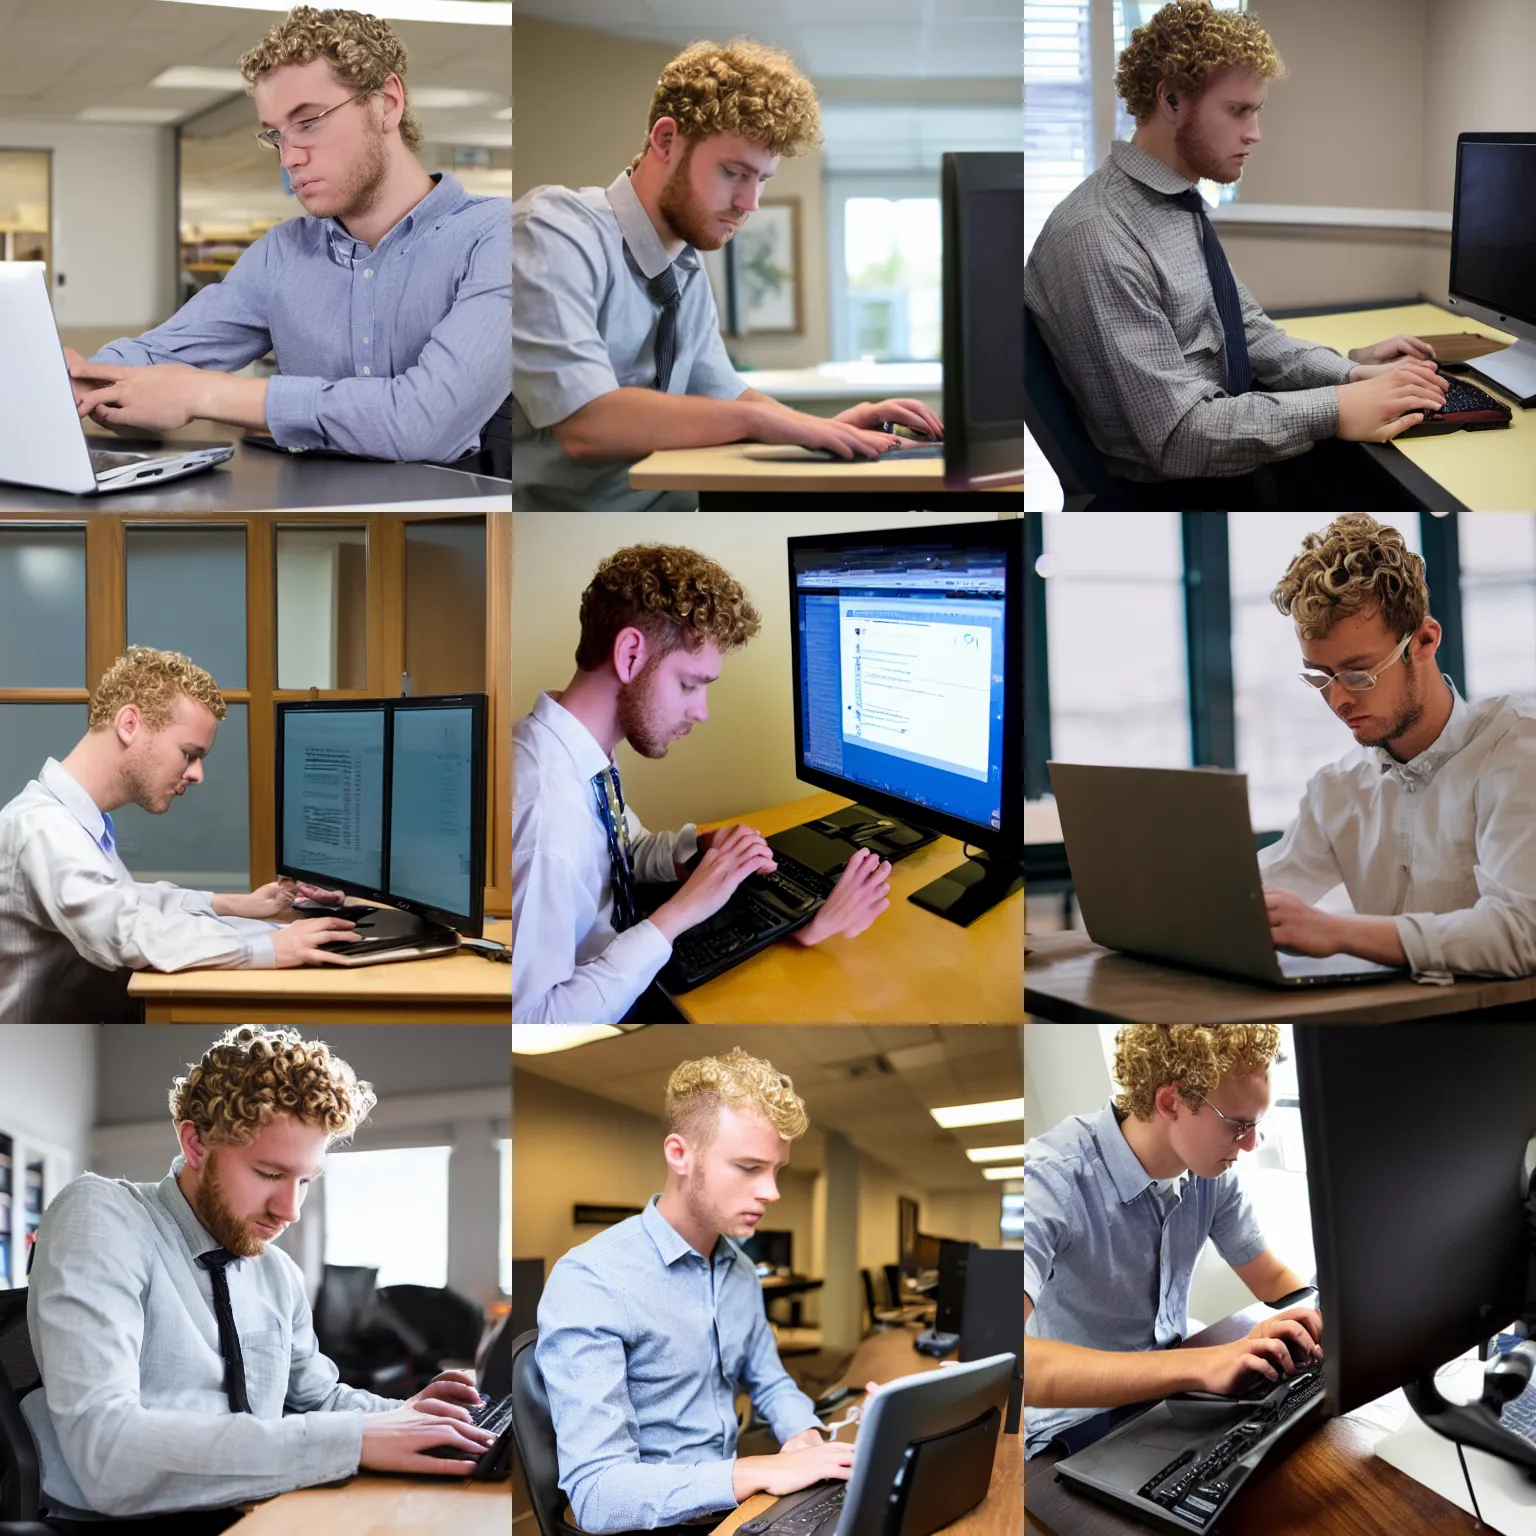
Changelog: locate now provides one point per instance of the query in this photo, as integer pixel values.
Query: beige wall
(742, 759)
(969, 1218)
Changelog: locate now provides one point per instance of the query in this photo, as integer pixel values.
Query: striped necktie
(664, 291)
(1224, 286)
(610, 807)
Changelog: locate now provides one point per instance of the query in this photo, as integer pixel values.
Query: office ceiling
(846, 40)
(875, 1085)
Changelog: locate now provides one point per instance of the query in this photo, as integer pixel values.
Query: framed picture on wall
(764, 275)
(906, 1219)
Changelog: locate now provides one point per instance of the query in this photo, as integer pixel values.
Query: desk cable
(1462, 1457)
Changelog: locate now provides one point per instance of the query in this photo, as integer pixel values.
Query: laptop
(42, 440)
(1165, 869)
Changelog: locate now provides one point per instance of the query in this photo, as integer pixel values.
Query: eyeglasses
(1239, 1128)
(302, 134)
(1355, 681)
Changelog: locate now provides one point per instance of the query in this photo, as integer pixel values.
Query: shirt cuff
(1318, 410)
(331, 1447)
(686, 846)
(293, 412)
(796, 1415)
(1424, 946)
(263, 954)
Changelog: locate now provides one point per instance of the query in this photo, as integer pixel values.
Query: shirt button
(367, 271)
(365, 341)
(367, 370)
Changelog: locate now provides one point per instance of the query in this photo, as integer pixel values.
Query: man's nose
(194, 773)
(746, 201)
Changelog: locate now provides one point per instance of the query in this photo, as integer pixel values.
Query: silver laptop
(42, 441)
(1164, 866)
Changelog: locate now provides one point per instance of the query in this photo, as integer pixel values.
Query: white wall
(113, 221)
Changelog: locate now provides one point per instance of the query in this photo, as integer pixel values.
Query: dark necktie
(663, 291)
(229, 1341)
(610, 807)
(1224, 286)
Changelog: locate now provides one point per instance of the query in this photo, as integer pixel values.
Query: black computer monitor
(992, 1315)
(982, 216)
(1415, 1140)
(926, 1252)
(907, 650)
(949, 1298)
(773, 1248)
(1493, 251)
(385, 798)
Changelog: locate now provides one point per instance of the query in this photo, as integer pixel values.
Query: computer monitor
(773, 1248)
(992, 1315)
(1415, 1151)
(906, 648)
(926, 1252)
(385, 799)
(1493, 251)
(982, 215)
(949, 1298)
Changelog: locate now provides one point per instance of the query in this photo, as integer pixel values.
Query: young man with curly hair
(616, 341)
(1180, 376)
(656, 623)
(177, 1353)
(646, 1331)
(74, 923)
(387, 304)
(1430, 821)
(1117, 1207)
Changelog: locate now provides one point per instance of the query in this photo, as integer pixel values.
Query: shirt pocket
(267, 1353)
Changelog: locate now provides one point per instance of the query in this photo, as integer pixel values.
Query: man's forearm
(1058, 1375)
(1371, 938)
(628, 424)
(235, 401)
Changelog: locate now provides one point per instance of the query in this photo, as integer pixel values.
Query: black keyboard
(496, 1460)
(800, 1514)
(1467, 408)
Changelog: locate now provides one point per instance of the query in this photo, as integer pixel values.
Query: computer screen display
(1493, 247)
(775, 1248)
(901, 671)
(431, 855)
(332, 775)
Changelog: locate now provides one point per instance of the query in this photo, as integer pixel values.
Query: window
(1498, 601)
(186, 592)
(1115, 638)
(322, 608)
(1285, 730)
(389, 1210)
(42, 608)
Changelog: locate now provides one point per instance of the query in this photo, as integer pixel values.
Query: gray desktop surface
(258, 480)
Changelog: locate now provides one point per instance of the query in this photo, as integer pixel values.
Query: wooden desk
(1070, 979)
(1331, 1484)
(727, 480)
(1462, 471)
(910, 966)
(884, 1356)
(378, 1505)
(453, 989)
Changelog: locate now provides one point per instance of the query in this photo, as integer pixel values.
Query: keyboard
(496, 1461)
(805, 1513)
(1467, 408)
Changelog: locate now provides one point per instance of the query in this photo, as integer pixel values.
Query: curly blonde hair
(1194, 1056)
(1187, 43)
(698, 1090)
(153, 680)
(1355, 565)
(251, 1074)
(739, 87)
(673, 596)
(362, 51)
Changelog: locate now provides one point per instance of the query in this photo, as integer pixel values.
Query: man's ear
(630, 653)
(193, 1148)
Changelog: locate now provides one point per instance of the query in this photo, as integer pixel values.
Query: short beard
(637, 717)
(364, 186)
(213, 1210)
(137, 790)
(693, 1198)
(682, 208)
(1409, 715)
(1195, 149)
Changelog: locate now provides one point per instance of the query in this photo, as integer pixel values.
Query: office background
(425, 1198)
(588, 1129)
(743, 757)
(352, 605)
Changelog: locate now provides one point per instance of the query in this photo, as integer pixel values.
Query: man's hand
(862, 893)
(163, 397)
(1295, 925)
(77, 375)
(911, 413)
(1376, 409)
(394, 1442)
(802, 1442)
(1303, 1326)
(1375, 370)
(789, 1472)
(774, 423)
(450, 1394)
(297, 943)
(1393, 346)
(1226, 1367)
(274, 898)
(724, 865)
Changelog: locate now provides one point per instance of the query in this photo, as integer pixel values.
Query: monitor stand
(971, 888)
(393, 926)
(1513, 369)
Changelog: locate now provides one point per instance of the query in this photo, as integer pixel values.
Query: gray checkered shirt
(1118, 282)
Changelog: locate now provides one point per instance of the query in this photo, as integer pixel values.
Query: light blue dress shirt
(584, 326)
(399, 351)
(642, 1341)
(132, 1417)
(1104, 1264)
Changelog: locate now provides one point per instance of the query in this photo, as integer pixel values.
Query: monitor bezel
(1519, 322)
(1005, 536)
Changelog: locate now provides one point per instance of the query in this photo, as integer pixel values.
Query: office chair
(21, 1489)
(908, 1309)
(879, 1317)
(450, 1322)
(533, 1437)
(1051, 417)
(372, 1347)
(496, 1361)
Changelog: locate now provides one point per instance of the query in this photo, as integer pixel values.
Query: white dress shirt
(569, 965)
(1445, 843)
(74, 922)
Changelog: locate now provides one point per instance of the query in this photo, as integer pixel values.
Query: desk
(783, 1287)
(258, 480)
(1070, 979)
(883, 1357)
(379, 1505)
(1331, 1484)
(1462, 471)
(450, 989)
(910, 966)
(727, 480)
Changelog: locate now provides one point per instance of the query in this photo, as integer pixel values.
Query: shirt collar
(70, 793)
(670, 1243)
(640, 238)
(1146, 168)
(1131, 1180)
(1454, 735)
(587, 757)
(446, 196)
(168, 1192)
